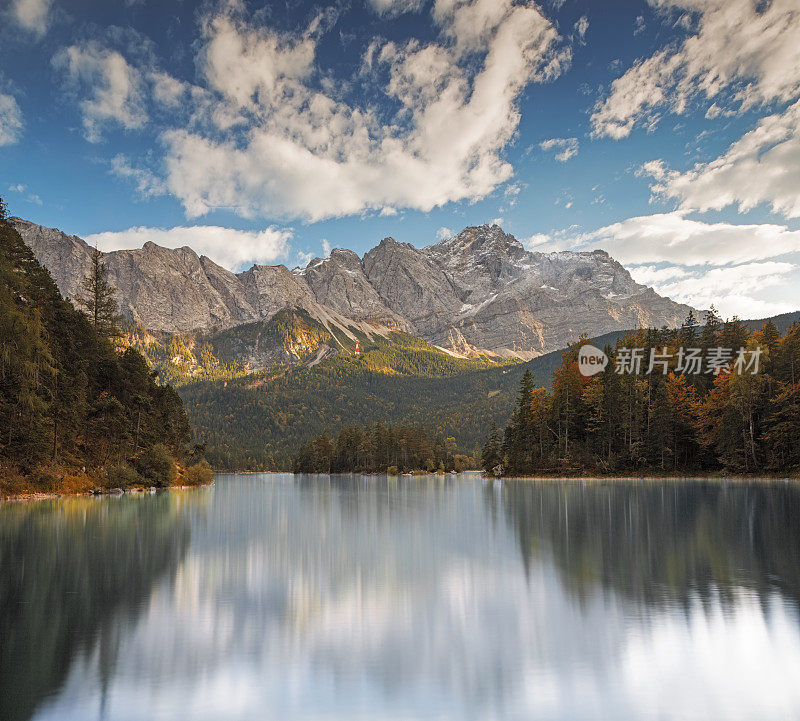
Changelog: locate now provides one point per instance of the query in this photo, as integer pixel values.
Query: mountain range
(477, 293)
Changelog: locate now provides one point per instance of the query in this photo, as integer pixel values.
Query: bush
(156, 465)
(392, 471)
(121, 475)
(199, 474)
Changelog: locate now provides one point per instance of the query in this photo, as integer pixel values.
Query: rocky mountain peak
(479, 291)
(478, 241)
(339, 282)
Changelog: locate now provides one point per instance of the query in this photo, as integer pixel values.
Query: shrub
(156, 465)
(121, 475)
(392, 471)
(199, 474)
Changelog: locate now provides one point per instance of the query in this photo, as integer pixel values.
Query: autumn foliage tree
(673, 417)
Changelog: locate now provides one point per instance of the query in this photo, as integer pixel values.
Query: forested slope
(74, 412)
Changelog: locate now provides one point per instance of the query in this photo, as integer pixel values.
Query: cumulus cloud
(565, 148)
(115, 88)
(760, 167)
(444, 233)
(271, 134)
(226, 246)
(735, 267)
(31, 15)
(11, 122)
(749, 48)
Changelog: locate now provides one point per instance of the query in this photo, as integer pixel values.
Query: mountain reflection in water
(282, 597)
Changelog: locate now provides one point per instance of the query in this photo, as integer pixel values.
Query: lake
(313, 597)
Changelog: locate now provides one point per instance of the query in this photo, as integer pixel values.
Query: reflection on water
(279, 597)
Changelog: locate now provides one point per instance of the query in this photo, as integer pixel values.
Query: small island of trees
(380, 448)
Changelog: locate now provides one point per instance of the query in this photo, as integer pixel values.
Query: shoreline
(33, 496)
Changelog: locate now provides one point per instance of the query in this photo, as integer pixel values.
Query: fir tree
(490, 457)
(99, 298)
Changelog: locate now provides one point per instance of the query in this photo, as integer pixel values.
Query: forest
(258, 422)
(665, 420)
(78, 411)
(381, 448)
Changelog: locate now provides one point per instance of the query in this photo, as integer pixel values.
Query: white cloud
(730, 289)
(326, 247)
(496, 221)
(655, 275)
(761, 167)
(741, 269)
(674, 238)
(582, 26)
(167, 91)
(22, 189)
(147, 183)
(11, 122)
(444, 233)
(226, 246)
(115, 87)
(280, 139)
(31, 15)
(740, 45)
(639, 25)
(304, 258)
(566, 148)
(393, 8)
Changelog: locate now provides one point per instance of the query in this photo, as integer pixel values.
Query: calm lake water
(298, 597)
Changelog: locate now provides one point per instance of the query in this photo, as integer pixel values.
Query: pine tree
(688, 332)
(491, 450)
(98, 298)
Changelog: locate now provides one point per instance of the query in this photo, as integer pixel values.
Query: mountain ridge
(478, 292)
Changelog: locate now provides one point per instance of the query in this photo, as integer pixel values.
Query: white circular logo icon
(591, 360)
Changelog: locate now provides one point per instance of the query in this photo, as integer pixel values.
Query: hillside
(69, 400)
(260, 420)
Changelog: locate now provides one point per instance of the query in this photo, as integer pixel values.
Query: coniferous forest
(663, 422)
(380, 448)
(76, 413)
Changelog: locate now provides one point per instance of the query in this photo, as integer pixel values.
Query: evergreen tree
(67, 399)
(490, 457)
(99, 298)
(688, 332)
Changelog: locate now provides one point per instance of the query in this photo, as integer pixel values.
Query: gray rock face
(339, 283)
(65, 256)
(525, 303)
(478, 291)
(412, 285)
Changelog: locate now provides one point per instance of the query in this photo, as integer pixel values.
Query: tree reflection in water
(661, 542)
(74, 575)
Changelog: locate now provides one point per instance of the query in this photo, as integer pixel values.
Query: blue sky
(667, 132)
